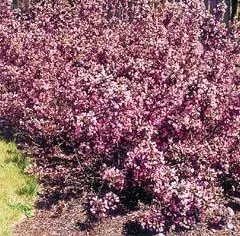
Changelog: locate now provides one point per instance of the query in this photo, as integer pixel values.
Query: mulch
(70, 219)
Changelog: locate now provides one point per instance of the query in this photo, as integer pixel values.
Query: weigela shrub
(142, 95)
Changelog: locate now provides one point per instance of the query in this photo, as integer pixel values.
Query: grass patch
(17, 190)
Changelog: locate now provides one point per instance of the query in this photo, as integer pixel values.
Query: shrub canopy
(147, 95)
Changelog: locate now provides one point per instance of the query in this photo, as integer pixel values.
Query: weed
(29, 189)
(23, 207)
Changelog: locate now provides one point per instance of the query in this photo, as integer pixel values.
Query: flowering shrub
(141, 95)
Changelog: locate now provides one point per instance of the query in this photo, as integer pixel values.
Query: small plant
(30, 189)
(23, 207)
(19, 159)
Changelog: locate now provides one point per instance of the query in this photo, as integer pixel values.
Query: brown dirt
(71, 220)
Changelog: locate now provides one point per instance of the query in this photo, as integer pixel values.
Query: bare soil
(70, 219)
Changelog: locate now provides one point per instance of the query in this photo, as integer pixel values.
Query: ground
(70, 220)
(17, 190)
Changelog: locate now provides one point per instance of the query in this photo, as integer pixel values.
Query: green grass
(17, 190)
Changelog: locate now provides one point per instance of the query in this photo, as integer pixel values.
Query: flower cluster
(101, 206)
(147, 92)
(114, 177)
